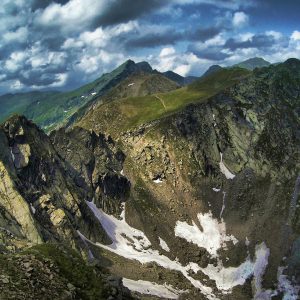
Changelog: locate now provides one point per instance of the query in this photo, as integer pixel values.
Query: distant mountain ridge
(179, 79)
(51, 110)
(212, 69)
(252, 63)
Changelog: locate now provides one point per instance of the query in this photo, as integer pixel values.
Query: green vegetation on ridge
(133, 111)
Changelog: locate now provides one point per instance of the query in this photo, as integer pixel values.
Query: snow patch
(32, 208)
(94, 93)
(131, 84)
(290, 291)
(212, 237)
(247, 242)
(84, 240)
(262, 254)
(163, 244)
(224, 169)
(133, 244)
(216, 190)
(12, 154)
(158, 180)
(223, 204)
(149, 288)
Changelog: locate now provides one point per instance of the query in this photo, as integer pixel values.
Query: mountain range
(53, 109)
(150, 185)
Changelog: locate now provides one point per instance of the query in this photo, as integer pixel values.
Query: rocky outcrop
(95, 163)
(52, 271)
(43, 191)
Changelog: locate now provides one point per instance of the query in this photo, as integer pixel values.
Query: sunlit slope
(122, 114)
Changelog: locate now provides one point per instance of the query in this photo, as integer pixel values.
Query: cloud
(240, 19)
(18, 36)
(154, 39)
(204, 34)
(212, 53)
(256, 41)
(167, 52)
(183, 63)
(182, 70)
(67, 43)
(295, 35)
(90, 14)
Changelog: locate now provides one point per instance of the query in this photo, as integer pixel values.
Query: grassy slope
(18, 103)
(49, 109)
(133, 111)
(59, 108)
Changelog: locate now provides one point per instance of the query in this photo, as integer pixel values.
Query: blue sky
(63, 44)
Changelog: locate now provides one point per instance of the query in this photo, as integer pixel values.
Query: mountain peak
(144, 66)
(292, 61)
(212, 69)
(132, 66)
(252, 63)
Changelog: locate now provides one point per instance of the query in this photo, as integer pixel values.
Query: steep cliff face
(44, 191)
(95, 163)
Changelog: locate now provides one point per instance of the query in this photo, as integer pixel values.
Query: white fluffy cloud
(75, 13)
(240, 19)
(18, 36)
(168, 51)
(183, 63)
(15, 61)
(295, 35)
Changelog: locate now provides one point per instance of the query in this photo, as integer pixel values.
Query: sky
(63, 44)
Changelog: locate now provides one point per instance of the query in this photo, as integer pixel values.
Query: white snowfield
(149, 288)
(94, 93)
(224, 169)
(216, 190)
(212, 238)
(163, 244)
(131, 84)
(133, 244)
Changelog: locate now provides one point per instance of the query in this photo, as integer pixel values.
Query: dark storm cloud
(41, 4)
(203, 34)
(210, 53)
(151, 40)
(257, 41)
(125, 10)
(170, 37)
